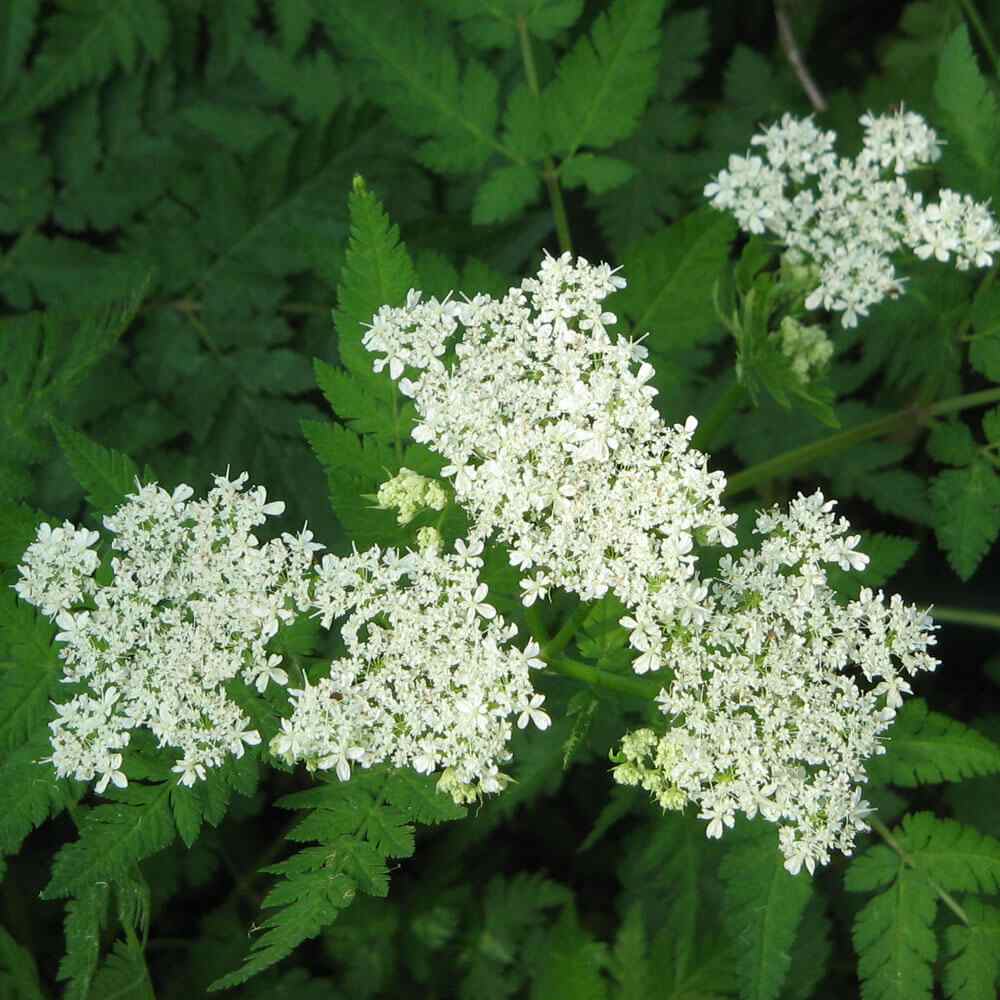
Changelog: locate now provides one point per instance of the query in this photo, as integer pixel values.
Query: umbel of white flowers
(430, 679)
(193, 600)
(779, 692)
(849, 216)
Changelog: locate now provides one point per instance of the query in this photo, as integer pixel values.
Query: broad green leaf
(603, 83)
(966, 514)
(505, 193)
(668, 275)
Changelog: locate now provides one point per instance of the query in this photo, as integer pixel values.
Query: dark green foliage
(189, 258)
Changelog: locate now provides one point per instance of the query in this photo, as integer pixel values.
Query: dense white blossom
(780, 692)
(58, 568)
(850, 216)
(552, 442)
(429, 680)
(192, 603)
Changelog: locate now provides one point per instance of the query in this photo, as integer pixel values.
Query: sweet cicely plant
(543, 607)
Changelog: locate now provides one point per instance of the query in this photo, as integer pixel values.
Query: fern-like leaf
(764, 905)
(357, 825)
(86, 917)
(973, 954)
(107, 475)
(602, 85)
(113, 838)
(925, 746)
(18, 972)
(85, 40)
(413, 73)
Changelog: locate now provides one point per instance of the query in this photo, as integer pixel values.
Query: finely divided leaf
(411, 70)
(357, 825)
(895, 941)
(925, 746)
(86, 917)
(973, 954)
(764, 905)
(113, 838)
(603, 83)
(967, 100)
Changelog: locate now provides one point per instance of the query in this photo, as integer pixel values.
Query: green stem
(966, 616)
(549, 173)
(799, 458)
(980, 29)
(564, 636)
(721, 411)
(637, 687)
(883, 831)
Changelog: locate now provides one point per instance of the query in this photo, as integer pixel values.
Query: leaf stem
(980, 29)
(806, 455)
(549, 173)
(966, 616)
(637, 687)
(883, 831)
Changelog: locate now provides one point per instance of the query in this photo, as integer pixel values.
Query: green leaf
(972, 971)
(18, 972)
(667, 277)
(599, 174)
(377, 271)
(113, 838)
(505, 193)
(294, 19)
(894, 938)
(30, 793)
(572, 963)
(629, 963)
(32, 678)
(17, 27)
(107, 475)
(958, 858)
(408, 62)
(965, 96)
(924, 746)
(124, 974)
(603, 83)
(86, 917)
(764, 905)
(951, 443)
(966, 514)
(358, 825)
(84, 42)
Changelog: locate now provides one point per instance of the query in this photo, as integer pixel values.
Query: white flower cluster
(429, 679)
(849, 216)
(551, 437)
(780, 693)
(555, 447)
(193, 602)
